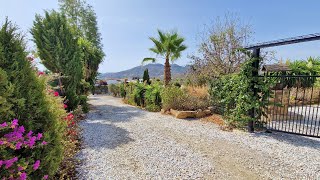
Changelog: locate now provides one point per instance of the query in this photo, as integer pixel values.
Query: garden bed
(188, 114)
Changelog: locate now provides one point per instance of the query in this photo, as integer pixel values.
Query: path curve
(124, 142)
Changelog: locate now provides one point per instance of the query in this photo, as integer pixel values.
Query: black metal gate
(294, 105)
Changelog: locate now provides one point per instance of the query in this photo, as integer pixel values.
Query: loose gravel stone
(124, 142)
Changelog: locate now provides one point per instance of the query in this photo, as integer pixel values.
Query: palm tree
(169, 47)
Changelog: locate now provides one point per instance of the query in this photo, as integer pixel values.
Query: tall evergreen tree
(82, 16)
(146, 77)
(24, 96)
(59, 51)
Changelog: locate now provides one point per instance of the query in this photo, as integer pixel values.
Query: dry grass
(215, 118)
(197, 91)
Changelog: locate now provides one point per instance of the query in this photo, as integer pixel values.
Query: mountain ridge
(156, 70)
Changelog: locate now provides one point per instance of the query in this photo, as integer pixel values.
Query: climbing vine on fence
(235, 95)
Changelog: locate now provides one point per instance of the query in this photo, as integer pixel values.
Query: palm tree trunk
(167, 72)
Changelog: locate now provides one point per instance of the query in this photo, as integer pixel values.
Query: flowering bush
(14, 143)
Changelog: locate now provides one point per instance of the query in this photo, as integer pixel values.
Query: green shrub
(309, 67)
(139, 94)
(171, 95)
(122, 90)
(153, 108)
(153, 97)
(26, 98)
(114, 90)
(153, 94)
(234, 94)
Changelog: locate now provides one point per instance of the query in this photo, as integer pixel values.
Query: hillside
(155, 70)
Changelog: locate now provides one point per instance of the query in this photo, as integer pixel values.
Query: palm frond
(179, 41)
(154, 50)
(181, 48)
(162, 36)
(149, 59)
(158, 44)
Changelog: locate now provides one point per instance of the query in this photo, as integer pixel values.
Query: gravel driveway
(124, 142)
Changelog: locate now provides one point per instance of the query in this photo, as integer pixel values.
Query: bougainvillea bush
(24, 95)
(16, 146)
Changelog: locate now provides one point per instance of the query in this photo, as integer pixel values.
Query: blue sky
(126, 24)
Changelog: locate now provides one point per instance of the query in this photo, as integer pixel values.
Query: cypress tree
(25, 97)
(59, 52)
(146, 77)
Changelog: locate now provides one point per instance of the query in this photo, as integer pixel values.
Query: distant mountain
(155, 70)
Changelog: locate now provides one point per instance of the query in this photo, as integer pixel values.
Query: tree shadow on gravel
(296, 140)
(114, 114)
(100, 135)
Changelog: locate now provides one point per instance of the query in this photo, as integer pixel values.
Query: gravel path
(124, 142)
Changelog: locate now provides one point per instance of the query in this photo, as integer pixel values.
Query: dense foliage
(59, 51)
(25, 96)
(177, 98)
(309, 67)
(83, 18)
(234, 94)
(69, 44)
(13, 142)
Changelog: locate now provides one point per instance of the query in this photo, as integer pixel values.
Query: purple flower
(20, 168)
(23, 176)
(29, 134)
(45, 177)
(21, 129)
(1, 142)
(3, 125)
(1, 163)
(10, 162)
(44, 143)
(14, 123)
(32, 141)
(39, 136)
(18, 145)
(36, 165)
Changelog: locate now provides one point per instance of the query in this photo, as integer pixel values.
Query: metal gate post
(255, 72)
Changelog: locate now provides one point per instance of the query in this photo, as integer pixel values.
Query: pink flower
(1, 163)
(40, 73)
(10, 162)
(45, 177)
(36, 165)
(3, 125)
(14, 123)
(18, 145)
(32, 141)
(1, 142)
(29, 134)
(39, 136)
(23, 176)
(21, 129)
(44, 143)
(65, 106)
(20, 168)
(56, 93)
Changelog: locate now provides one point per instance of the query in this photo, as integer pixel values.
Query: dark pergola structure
(256, 54)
